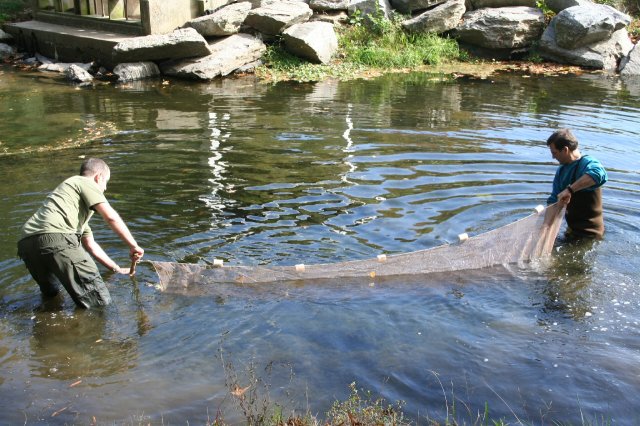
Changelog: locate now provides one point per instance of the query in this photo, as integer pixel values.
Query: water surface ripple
(260, 174)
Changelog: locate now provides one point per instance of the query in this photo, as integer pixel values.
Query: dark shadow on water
(569, 277)
(71, 345)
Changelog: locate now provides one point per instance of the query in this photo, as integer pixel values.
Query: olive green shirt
(67, 209)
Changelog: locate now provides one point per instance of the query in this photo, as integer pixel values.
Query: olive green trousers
(54, 259)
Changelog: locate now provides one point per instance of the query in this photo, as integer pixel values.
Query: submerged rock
(77, 74)
(62, 67)
(6, 51)
(5, 37)
(130, 71)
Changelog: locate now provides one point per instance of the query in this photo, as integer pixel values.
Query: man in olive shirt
(52, 240)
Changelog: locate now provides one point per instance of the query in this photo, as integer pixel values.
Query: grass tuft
(370, 43)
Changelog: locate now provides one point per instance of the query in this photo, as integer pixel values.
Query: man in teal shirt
(577, 184)
(56, 242)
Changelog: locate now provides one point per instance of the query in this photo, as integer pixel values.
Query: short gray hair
(93, 166)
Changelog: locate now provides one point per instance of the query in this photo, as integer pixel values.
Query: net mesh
(521, 241)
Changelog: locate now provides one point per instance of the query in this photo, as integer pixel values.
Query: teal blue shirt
(569, 173)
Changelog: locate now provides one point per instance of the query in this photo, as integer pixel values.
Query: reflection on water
(73, 346)
(313, 173)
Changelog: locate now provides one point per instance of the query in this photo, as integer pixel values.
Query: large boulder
(501, 28)
(369, 8)
(182, 43)
(227, 55)
(441, 18)
(130, 71)
(274, 18)
(479, 4)
(559, 5)
(329, 5)
(6, 51)
(222, 22)
(315, 41)
(631, 64)
(584, 25)
(601, 55)
(410, 6)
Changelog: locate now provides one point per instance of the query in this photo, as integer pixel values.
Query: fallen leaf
(59, 411)
(238, 392)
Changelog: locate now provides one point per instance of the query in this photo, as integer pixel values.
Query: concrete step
(66, 43)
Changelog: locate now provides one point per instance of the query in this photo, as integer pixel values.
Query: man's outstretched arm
(118, 226)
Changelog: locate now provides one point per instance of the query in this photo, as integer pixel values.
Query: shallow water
(309, 173)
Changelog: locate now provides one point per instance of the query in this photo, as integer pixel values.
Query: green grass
(371, 43)
(9, 9)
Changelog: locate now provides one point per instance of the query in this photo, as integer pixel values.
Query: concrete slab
(64, 43)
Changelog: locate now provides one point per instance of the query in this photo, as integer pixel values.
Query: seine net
(521, 241)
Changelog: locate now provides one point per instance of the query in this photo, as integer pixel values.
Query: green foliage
(363, 409)
(542, 5)
(382, 43)
(282, 65)
(10, 8)
(370, 42)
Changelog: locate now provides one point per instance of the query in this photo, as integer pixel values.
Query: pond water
(259, 174)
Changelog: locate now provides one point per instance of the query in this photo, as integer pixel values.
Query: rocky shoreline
(234, 38)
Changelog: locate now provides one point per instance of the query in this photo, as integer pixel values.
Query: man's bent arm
(100, 255)
(584, 181)
(118, 226)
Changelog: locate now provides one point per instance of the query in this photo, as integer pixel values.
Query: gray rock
(502, 28)
(479, 4)
(630, 65)
(5, 37)
(441, 18)
(369, 8)
(77, 74)
(6, 51)
(584, 25)
(325, 5)
(222, 22)
(315, 41)
(333, 17)
(602, 55)
(410, 6)
(130, 71)
(43, 59)
(250, 67)
(559, 5)
(182, 43)
(274, 18)
(226, 56)
(62, 67)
